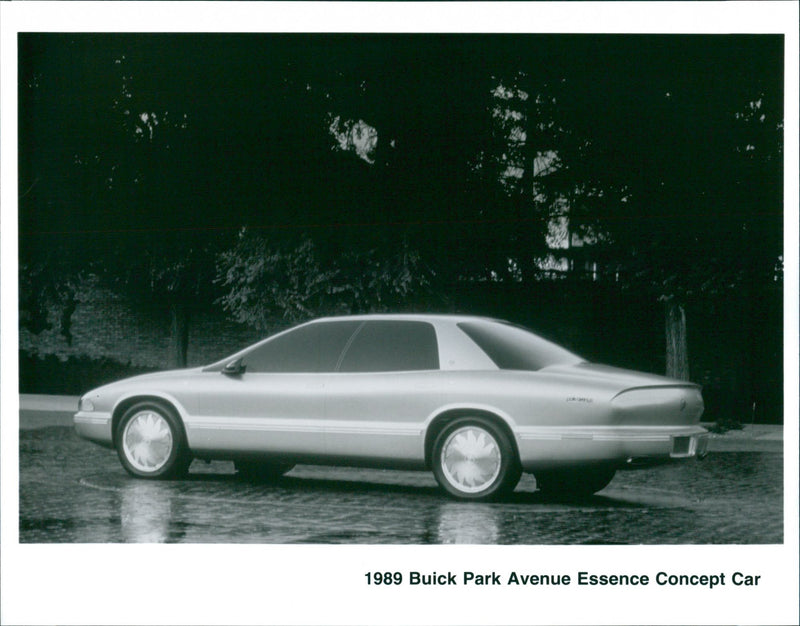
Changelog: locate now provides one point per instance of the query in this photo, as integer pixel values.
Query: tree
(267, 284)
(109, 163)
(699, 209)
(672, 178)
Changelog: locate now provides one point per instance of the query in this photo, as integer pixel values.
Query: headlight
(85, 405)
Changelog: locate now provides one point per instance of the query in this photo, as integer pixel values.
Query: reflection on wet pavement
(146, 514)
(467, 523)
(74, 492)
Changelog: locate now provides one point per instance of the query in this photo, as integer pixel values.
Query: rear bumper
(551, 447)
(688, 446)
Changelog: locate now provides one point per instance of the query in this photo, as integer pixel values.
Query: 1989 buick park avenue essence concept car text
(477, 401)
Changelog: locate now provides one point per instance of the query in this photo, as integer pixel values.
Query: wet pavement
(75, 491)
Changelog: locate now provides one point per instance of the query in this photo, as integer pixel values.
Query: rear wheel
(473, 459)
(575, 483)
(261, 471)
(150, 442)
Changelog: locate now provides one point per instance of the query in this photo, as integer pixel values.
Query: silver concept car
(477, 401)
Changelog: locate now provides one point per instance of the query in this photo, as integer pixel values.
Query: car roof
(432, 318)
(422, 317)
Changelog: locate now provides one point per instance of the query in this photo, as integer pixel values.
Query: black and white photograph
(329, 294)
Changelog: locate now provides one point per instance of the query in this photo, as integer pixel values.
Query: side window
(312, 348)
(392, 346)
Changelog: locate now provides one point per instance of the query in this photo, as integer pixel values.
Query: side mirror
(234, 368)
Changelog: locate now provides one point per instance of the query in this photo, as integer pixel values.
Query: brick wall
(106, 326)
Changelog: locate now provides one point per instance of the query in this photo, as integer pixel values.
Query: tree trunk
(179, 334)
(677, 345)
(69, 306)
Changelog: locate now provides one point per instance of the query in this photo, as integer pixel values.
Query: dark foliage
(71, 377)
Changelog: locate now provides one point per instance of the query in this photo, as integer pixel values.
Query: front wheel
(150, 442)
(473, 459)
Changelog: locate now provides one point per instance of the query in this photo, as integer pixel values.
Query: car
(477, 401)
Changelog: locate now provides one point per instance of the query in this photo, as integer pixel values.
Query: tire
(575, 483)
(150, 442)
(261, 471)
(473, 459)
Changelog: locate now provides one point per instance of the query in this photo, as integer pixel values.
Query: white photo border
(266, 584)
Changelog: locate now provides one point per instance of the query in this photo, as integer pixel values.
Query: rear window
(516, 348)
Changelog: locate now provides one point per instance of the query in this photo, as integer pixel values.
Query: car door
(275, 403)
(386, 385)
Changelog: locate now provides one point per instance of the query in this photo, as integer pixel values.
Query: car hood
(616, 376)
